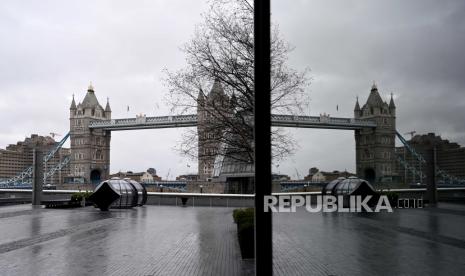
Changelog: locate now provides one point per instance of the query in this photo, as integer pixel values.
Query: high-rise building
(450, 158)
(16, 158)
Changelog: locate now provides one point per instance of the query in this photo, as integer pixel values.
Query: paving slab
(170, 240)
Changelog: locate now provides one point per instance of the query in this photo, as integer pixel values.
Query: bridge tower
(210, 109)
(90, 149)
(375, 148)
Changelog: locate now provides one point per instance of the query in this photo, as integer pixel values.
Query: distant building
(280, 177)
(450, 158)
(16, 158)
(152, 171)
(239, 176)
(315, 175)
(149, 176)
(188, 177)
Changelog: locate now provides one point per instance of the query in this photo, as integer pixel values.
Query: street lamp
(201, 188)
(161, 188)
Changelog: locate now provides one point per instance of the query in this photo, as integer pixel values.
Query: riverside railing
(216, 200)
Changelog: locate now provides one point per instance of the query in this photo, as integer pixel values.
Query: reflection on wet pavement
(168, 240)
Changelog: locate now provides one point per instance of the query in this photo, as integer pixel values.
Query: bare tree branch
(222, 49)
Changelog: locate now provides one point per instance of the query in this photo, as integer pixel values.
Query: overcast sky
(50, 50)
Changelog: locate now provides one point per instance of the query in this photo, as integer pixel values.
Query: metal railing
(142, 122)
(411, 168)
(180, 186)
(448, 179)
(322, 121)
(287, 186)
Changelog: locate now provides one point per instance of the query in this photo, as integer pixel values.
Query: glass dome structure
(141, 191)
(329, 188)
(118, 193)
(128, 194)
(353, 186)
(348, 186)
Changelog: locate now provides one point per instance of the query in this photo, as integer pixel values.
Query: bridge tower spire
(357, 109)
(375, 148)
(72, 108)
(392, 106)
(108, 110)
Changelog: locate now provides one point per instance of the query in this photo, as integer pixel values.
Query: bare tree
(221, 54)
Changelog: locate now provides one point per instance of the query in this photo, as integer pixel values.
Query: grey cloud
(411, 48)
(52, 49)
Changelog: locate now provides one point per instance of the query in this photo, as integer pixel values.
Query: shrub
(243, 214)
(244, 218)
(80, 195)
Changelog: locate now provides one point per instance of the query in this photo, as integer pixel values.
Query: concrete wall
(225, 200)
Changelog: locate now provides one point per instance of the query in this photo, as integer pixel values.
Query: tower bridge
(91, 126)
(374, 126)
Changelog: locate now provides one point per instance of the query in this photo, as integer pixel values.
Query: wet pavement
(169, 240)
(429, 241)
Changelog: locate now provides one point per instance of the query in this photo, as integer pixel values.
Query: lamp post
(161, 188)
(201, 188)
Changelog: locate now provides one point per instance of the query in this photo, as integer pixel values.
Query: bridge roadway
(175, 121)
(169, 240)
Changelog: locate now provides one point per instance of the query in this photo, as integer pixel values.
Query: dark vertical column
(37, 176)
(431, 187)
(262, 134)
(405, 166)
(357, 153)
(107, 147)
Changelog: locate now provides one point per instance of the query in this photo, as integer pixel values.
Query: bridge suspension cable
(421, 160)
(411, 149)
(418, 157)
(24, 178)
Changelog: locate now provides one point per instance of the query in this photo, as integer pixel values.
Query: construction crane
(412, 133)
(168, 174)
(53, 134)
(297, 173)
